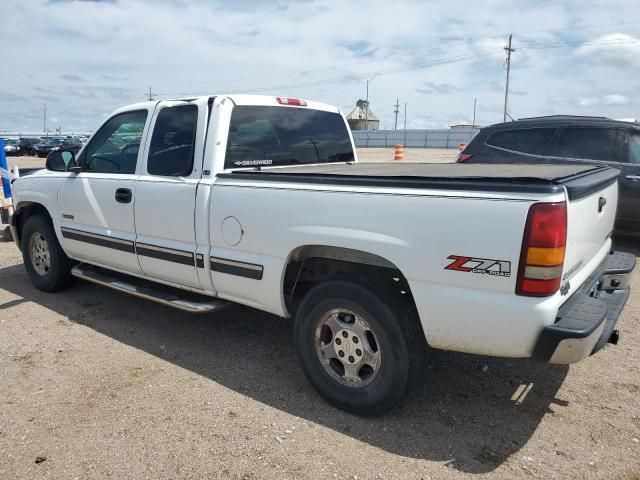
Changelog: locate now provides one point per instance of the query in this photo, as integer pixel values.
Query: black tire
(399, 337)
(58, 274)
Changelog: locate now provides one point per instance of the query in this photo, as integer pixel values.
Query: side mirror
(62, 161)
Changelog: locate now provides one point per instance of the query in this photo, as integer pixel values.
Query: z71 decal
(488, 266)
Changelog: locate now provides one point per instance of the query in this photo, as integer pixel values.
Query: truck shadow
(471, 412)
(627, 242)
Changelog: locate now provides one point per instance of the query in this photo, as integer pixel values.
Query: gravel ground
(103, 385)
(97, 384)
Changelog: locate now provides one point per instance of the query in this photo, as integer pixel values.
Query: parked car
(27, 144)
(70, 144)
(261, 201)
(11, 147)
(42, 149)
(568, 139)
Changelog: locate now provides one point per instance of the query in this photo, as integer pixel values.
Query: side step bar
(172, 297)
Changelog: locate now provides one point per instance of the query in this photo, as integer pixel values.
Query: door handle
(123, 195)
(635, 178)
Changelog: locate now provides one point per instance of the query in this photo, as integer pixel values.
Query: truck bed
(579, 180)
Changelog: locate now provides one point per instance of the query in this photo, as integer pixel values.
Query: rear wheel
(359, 347)
(46, 263)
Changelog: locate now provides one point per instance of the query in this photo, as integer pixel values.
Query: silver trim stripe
(233, 263)
(165, 250)
(95, 235)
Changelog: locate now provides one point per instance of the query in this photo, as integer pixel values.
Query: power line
(355, 76)
(466, 41)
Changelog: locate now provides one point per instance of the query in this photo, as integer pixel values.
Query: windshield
(272, 136)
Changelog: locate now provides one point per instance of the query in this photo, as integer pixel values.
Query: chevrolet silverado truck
(201, 202)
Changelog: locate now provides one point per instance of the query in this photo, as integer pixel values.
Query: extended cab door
(96, 205)
(165, 198)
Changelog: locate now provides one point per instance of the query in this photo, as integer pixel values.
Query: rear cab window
(526, 140)
(278, 136)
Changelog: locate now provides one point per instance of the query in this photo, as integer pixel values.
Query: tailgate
(591, 212)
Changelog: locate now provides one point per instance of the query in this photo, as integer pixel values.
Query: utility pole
(475, 102)
(509, 50)
(405, 117)
(366, 109)
(396, 111)
(150, 95)
(44, 118)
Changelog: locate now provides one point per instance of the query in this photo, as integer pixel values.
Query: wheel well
(313, 264)
(26, 210)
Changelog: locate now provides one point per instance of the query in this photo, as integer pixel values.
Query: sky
(85, 58)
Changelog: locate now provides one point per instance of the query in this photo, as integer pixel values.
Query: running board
(172, 297)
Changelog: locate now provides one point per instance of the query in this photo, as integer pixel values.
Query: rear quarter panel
(418, 231)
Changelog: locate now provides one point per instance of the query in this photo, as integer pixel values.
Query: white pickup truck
(200, 202)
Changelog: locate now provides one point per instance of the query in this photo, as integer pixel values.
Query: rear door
(629, 205)
(166, 192)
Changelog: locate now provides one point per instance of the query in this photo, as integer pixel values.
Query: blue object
(4, 171)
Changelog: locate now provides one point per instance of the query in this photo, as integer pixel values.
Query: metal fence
(449, 138)
(49, 134)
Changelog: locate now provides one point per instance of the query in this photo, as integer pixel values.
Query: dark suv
(568, 139)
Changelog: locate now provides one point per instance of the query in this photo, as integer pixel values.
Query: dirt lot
(104, 385)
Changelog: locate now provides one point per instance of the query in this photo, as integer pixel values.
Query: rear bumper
(586, 322)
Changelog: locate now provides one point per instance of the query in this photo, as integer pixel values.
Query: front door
(96, 205)
(166, 193)
(629, 203)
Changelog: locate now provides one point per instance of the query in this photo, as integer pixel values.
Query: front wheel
(46, 263)
(359, 347)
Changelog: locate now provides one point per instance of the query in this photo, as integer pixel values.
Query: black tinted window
(114, 148)
(173, 140)
(634, 148)
(530, 140)
(589, 143)
(286, 136)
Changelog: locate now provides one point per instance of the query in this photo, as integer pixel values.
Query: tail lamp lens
(543, 250)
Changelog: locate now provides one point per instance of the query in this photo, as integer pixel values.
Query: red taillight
(462, 157)
(543, 249)
(291, 101)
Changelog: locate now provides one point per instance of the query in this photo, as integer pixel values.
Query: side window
(173, 140)
(634, 148)
(530, 140)
(114, 148)
(588, 143)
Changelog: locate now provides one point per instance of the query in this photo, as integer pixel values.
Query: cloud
(431, 55)
(588, 101)
(71, 78)
(617, 49)
(441, 88)
(615, 100)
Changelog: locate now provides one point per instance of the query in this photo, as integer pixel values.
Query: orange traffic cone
(399, 152)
